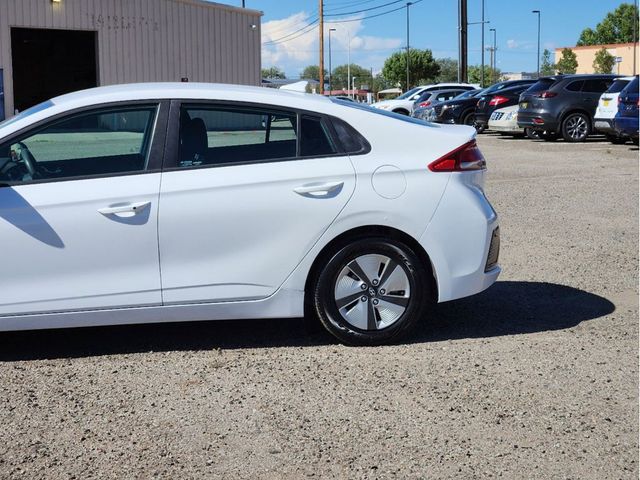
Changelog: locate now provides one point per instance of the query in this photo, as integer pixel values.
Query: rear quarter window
(541, 85)
(575, 86)
(596, 86)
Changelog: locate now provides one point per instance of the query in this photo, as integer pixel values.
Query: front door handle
(131, 208)
(319, 190)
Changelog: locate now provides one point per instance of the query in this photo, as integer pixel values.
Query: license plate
(524, 104)
(605, 103)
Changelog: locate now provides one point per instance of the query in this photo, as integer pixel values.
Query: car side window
(223, 135)
(103, 142)
(314, 137)
(596, 86)
(575, 86)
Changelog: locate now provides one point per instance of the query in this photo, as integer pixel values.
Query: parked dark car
(626, 120)
(489, 102)
(563, 105)
(461, 110)
(428, 99)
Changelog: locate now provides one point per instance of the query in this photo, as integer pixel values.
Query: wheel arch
(362, 232)
(401, 111)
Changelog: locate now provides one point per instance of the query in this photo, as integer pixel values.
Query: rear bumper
(537, 120)
(604, 125)
(462, 240)
(626, 126)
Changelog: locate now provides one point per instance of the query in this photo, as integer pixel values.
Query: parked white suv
(607, 109)
(404, 103)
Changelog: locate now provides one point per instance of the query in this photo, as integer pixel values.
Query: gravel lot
(535, 378)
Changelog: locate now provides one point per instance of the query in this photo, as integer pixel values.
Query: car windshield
(384, 113)
(617, 86)
(408, 94)
(28, 112)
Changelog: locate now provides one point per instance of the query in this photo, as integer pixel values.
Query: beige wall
(586, 55)
(147, 40)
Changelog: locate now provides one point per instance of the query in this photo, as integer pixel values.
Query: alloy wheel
(576, 127)
(372, 292)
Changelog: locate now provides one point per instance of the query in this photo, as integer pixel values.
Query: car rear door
(78, 211)
(246, 193)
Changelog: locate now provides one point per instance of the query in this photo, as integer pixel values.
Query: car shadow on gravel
(507, 308)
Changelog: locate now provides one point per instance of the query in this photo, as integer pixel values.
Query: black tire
(469, 118)
(531, 133)
(576, 127)
(354, 254)
(635, 140)
(616, 140)
(401, 111)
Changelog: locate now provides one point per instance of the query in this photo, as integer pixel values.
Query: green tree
(546, 65)
(603, 62)
(568, 62)
(339, 76)
(272, 72)
(474, 74)
(312, 72)
(422, 66)
(448, 70)
(616, 27)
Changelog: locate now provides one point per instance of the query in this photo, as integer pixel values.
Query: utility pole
(462, 41)
(538, 12)
(635, 38)
(408, 5)
(321, 72)
(482, 50)
(330, 83)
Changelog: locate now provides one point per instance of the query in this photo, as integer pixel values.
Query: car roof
(187, 90)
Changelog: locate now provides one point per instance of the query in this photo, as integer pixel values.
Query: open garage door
(48, 62)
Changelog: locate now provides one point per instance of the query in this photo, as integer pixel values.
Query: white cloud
(512, 44)
(301, 49)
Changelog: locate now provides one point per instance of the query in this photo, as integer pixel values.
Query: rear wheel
(371, 292)
(575, 128)
(401, 111)
(469, 118)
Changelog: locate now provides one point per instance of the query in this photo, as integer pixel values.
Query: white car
(184, 201)
(404, 103)
(505, 121)
(607, 109)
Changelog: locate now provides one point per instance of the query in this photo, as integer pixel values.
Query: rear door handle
(134, 208)
(319, 190)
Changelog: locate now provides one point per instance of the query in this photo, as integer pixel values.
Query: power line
(374, 16)
(286, 38)
(363, 10)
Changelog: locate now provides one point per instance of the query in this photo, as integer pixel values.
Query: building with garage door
(51, 47)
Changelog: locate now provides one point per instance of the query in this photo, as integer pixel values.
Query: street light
(493, 55)
(349, 64)
(408, 5)
(538, 13)
(330, 84)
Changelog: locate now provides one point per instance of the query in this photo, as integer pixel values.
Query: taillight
(546, 94)
(425, 104)
(498, 100)
(465, 158)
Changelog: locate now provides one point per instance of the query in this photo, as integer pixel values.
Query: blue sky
(433, 25)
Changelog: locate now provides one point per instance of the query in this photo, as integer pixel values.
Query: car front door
(248, 193)
(78, 211)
